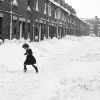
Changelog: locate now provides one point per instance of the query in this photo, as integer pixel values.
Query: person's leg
(25, 68)
(36, 69)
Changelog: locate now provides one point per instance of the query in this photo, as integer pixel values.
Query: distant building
(94, 24)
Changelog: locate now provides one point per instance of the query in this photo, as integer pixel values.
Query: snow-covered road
(69, 69)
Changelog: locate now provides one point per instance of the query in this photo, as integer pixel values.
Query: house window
(68, 20)
(65, 19)
(49, 9)
(55, 13)
(37, 9)
(58, 13)
(45, 9)
(62, 16)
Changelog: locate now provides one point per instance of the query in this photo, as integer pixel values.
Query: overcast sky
(85, 8)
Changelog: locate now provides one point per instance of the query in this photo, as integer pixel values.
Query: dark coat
(30, 59)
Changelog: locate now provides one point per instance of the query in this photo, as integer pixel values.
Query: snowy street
(69, 69)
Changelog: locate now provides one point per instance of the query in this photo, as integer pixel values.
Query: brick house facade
(37, 20)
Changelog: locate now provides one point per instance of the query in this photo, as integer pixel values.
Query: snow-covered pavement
(69, 69)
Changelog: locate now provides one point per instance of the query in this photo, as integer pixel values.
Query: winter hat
(25, 45)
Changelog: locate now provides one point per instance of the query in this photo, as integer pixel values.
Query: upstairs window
(55, 13)
(37, 9)
(68, 20)
(49, 9)
(45, 6)
(63, 17)
(59, 14)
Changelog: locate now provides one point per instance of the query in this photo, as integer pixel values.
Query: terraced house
(39, 19)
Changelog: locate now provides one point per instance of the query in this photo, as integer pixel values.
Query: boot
(25, 69)
(36, 69)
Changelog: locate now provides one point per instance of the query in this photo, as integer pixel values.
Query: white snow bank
(69, 69)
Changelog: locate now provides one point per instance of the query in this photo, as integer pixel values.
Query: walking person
(30, 59)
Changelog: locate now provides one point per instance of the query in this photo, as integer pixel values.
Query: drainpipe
(11, 20)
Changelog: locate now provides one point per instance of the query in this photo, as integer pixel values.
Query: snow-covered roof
(65, 9)
(72, 14)
(57, 4)
(82, 20)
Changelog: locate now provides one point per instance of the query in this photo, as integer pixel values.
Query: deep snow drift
(69, 69)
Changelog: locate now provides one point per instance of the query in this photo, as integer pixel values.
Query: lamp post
(11, 19)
